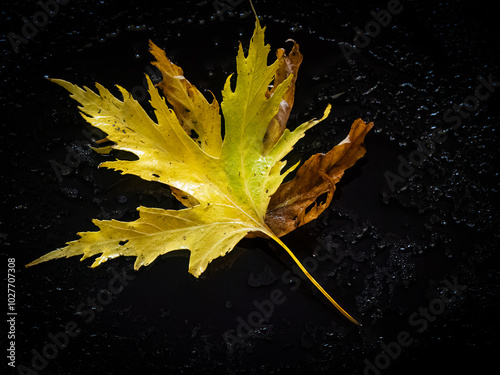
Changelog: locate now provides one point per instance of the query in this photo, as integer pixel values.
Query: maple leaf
(231, 186)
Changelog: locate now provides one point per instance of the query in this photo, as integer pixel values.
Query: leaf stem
(316, 284)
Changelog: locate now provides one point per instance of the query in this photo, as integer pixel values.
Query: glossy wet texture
(384, 255)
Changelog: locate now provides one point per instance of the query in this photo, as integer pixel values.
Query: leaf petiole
(316, 284)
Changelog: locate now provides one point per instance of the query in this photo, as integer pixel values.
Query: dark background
(389, 253)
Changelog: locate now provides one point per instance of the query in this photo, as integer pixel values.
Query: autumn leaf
(231, 186)
(295, 202)
(289, 67)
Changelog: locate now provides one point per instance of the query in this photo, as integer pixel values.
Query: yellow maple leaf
(226, 184)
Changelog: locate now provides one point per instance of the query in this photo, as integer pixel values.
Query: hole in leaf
(309, 208)
(319, 201)
(322, 199)
(121, 243)
(193, 134)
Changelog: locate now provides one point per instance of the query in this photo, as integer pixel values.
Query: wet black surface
(382, 254)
